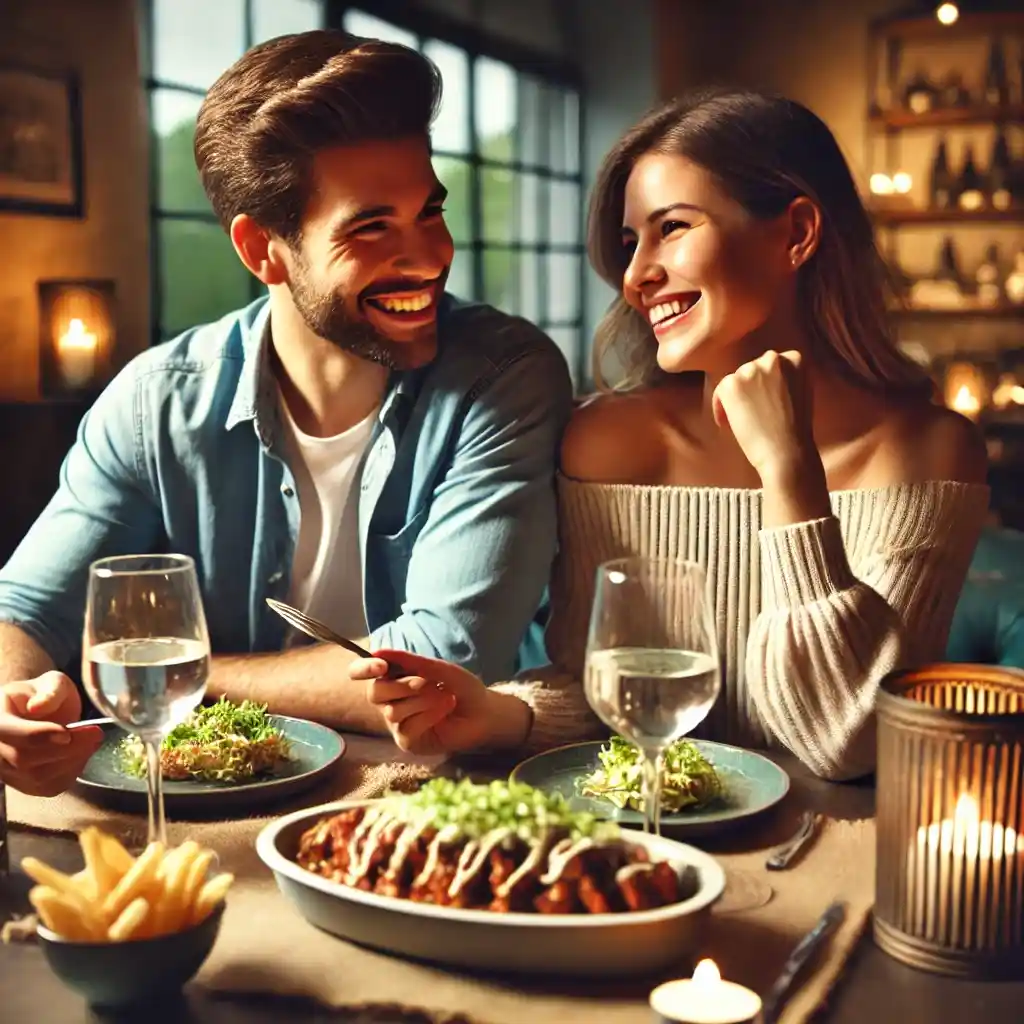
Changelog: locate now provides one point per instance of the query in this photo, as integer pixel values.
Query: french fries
(117, 897)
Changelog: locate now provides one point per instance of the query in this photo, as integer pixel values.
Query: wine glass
(652, 670)
(146, 653)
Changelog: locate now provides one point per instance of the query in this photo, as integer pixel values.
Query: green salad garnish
(221, 742)
(476, 809)
(688, 780)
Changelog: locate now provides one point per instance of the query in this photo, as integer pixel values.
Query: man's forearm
(308, 682)
(20, 656)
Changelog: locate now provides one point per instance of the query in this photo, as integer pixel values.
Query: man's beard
(325, 315)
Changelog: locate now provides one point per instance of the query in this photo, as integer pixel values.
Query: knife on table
(804, 950)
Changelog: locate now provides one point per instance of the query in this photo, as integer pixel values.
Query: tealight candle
(76, 351)
(705, 999)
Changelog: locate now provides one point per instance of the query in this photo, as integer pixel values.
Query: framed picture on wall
(40, 143)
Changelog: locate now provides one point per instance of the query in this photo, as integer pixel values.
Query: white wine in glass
(652, 669)
(146, 653)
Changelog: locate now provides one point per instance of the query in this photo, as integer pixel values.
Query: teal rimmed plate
(752, 784)
(315, 749)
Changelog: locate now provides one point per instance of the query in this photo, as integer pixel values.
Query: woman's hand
(767, 405)
(440, 708)
(37, 754)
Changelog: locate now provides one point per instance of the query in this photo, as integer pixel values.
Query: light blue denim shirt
(183, 452)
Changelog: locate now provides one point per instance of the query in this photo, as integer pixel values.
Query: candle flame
(706, 973)
(77, 336)
(966, 811)
(966, 402)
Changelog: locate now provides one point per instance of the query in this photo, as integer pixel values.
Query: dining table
(872, 988)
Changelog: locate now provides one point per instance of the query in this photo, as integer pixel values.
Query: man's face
(369, 268)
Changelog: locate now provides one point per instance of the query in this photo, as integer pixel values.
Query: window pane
(454, 175)
(499, 279)
(272, 18)
(530, 123)
(496, 196)
(563, 281)
(359, 23)
(460, 277)
(564, 213)
(451, 127)
(529, 190)
(564, 130)
(495, 113)
(177, 180)
(201, 278)
(530, 269)
(195, 40)
(568, 340)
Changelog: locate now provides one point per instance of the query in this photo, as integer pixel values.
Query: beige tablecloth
(265, 945)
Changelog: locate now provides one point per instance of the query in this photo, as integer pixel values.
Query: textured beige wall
(97, 40)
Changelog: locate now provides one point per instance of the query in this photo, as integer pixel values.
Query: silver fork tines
(321, 631)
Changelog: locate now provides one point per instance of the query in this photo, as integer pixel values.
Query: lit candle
(966, 402)
(76, 352)
(705, 999)
(967, 837)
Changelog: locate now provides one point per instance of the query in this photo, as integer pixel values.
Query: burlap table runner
(266, 946)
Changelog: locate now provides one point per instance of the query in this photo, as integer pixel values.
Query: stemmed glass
(652, 669)
(146, 653)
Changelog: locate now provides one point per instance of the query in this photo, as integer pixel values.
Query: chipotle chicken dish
(504, 847)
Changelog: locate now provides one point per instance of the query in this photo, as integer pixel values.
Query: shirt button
(287, 491)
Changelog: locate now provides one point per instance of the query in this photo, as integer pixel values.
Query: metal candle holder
(949, 894)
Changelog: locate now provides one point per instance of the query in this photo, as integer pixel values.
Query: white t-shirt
(327, 576)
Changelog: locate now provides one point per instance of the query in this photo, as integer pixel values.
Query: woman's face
(702, 271)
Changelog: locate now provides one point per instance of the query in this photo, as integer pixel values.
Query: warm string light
(899, 183)
(947, 13)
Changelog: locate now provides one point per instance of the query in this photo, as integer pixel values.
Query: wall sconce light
(76, 336)
(947, 13)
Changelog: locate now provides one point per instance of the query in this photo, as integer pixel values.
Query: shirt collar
(256, 394)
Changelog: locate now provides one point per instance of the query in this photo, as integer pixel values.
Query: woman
(834, 506)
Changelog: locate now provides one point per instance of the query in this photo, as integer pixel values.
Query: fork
(321, 631)
(782, 857)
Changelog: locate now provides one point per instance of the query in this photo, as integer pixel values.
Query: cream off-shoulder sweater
(810, 617)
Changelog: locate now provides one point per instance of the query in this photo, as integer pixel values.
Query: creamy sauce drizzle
(379, 823)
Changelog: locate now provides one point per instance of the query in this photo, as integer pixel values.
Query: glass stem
(155, 792)
(652, 792)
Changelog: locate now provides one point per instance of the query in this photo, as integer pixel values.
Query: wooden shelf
(1003, 312)
(927, 26)
(915, 215)
(949, 117)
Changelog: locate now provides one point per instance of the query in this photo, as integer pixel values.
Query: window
(196, 275)
(507, 146)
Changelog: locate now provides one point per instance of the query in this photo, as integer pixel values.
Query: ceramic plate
(586, 945)
(752, 784)
(315, 748)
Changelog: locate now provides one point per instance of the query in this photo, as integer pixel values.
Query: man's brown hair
(266, 117)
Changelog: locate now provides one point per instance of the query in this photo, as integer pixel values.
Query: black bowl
(119, 974)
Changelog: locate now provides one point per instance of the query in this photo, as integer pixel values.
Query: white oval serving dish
(581, 945)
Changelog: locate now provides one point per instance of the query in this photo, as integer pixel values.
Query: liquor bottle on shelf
(996, 89)
(970, 188)
(988, 279)
(952, 92)
(944, 287)
(1015, 280)
(1000, 173)
(942, 182)
(919, 95)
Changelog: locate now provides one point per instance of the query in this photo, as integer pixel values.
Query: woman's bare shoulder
(620, 437)
(927, 442)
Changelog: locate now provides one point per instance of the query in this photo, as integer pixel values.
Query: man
(357, 443)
